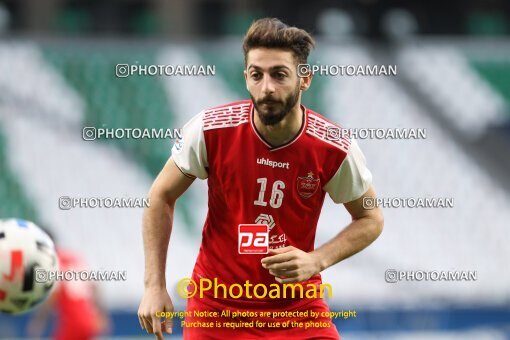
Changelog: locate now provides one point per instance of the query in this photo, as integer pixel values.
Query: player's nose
(267, 85)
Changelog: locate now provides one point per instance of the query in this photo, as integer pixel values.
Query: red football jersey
(251, 182)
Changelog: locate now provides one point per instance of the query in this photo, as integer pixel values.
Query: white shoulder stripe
(327, 132)
(227, 116)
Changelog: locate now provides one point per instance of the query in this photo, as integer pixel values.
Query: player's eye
(255, 76)
(280, 75)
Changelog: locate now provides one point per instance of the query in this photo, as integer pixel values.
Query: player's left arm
(291, 264)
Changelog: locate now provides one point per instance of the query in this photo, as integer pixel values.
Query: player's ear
(305, 82)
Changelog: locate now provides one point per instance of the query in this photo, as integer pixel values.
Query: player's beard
(272, 111)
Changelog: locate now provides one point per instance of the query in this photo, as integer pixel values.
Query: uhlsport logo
(273, 164)
(253, 239)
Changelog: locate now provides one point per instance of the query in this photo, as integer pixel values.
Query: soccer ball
(25, 251)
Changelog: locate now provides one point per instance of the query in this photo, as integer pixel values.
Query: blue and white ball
(25, 251)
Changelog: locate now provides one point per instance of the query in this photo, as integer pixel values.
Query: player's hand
(155, 300)
(290, 264)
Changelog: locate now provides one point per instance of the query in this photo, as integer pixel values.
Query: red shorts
(320, 327)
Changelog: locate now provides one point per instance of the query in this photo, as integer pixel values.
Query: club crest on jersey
(307, 186)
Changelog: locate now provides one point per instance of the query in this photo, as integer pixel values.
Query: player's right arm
(157, 227)
(188, 161)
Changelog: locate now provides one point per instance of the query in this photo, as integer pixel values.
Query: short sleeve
(352, 178)
(189, 152)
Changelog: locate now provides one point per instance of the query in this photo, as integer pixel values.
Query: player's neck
(285, 130)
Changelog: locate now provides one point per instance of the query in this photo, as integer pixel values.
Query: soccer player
(271, 161)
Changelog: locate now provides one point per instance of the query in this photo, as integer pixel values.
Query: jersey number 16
(276, 193)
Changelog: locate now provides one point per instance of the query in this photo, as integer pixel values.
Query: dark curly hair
(272, 33)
